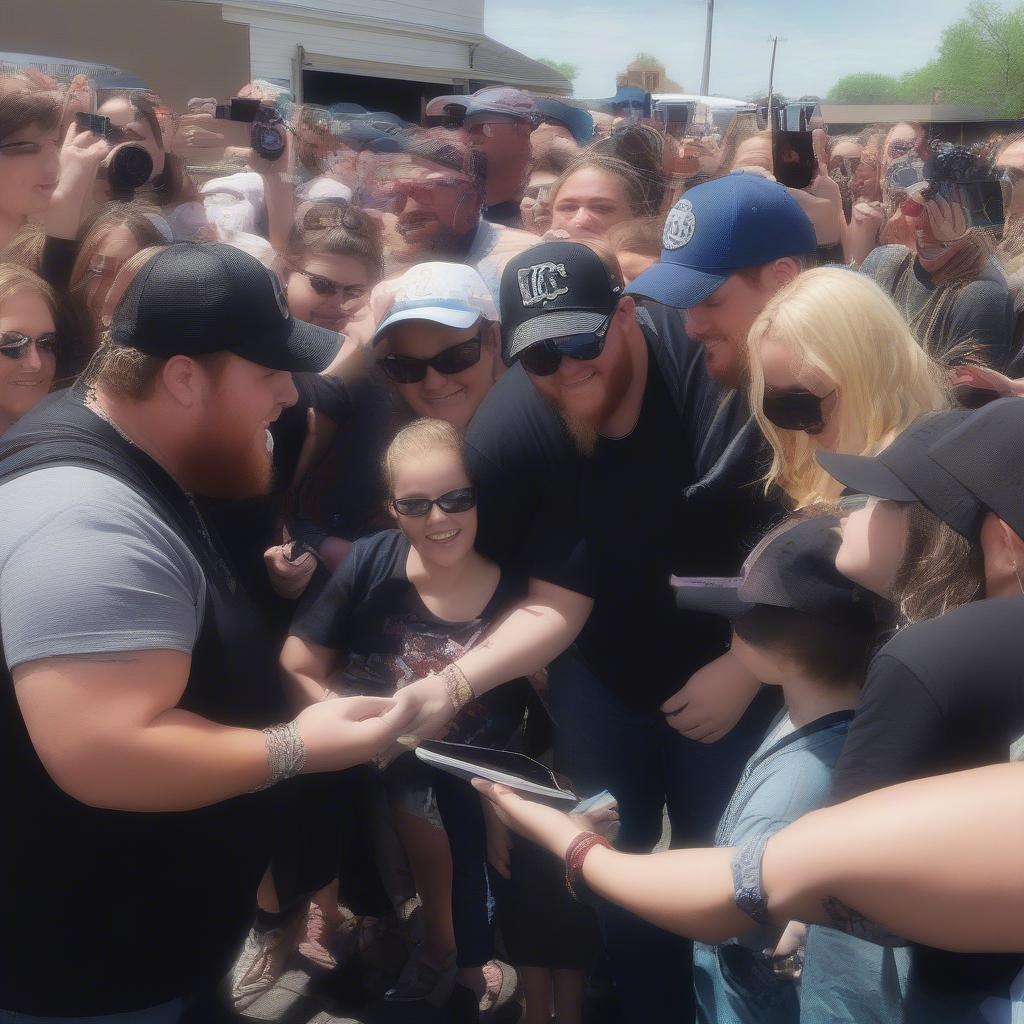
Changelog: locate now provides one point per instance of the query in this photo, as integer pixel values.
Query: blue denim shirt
(786, 778)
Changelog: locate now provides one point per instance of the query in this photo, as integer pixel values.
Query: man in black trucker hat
(136, 679)
(584, 455)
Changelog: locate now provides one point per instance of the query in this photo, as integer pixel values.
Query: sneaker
(502, 987)
(326, 945)
(424, 981)
(260, 964)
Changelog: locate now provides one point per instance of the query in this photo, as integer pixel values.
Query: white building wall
(274, 37)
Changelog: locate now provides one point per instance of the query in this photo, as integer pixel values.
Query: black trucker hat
(552, 290)
(904, 472)
(197, 298)
(793, 567)
(985, 453)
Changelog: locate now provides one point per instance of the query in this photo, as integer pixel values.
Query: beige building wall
(179, 48)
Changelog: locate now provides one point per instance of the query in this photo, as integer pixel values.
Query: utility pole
(705, 78)
(771, 79)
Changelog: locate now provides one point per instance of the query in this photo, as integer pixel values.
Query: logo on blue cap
(679, 226)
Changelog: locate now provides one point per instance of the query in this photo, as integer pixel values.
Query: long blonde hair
(840, 324)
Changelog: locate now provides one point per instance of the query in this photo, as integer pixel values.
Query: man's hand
(289, 578)
(712, 701)
(428, 707)
(554, 830)
(348, 731)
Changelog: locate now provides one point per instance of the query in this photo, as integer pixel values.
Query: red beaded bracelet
(574, 858)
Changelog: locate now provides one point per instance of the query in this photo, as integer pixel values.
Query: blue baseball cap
(579, 122)
(719, 227)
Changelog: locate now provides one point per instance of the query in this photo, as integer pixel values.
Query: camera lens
(267, 140)
(130, 168)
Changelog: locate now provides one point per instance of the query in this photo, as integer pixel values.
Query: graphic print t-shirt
(372, 613)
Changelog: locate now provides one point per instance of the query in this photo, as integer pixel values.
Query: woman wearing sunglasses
(833, 367)
(438, 343)
(406, 603)
(334, 264)
(28, 342)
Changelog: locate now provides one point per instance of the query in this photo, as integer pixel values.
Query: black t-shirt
(942, 696)
(507, 214)
(675, 495)
(372, 613)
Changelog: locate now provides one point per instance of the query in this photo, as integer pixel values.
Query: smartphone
(238, 110)
(794, 163)
(95, 123)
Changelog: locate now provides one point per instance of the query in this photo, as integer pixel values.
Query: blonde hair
(419, 438)
(842, 325)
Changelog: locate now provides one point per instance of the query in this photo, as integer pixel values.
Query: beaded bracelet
(574, 858)
(460, 693)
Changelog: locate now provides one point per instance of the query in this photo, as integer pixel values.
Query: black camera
(130, 166)
(266, 137)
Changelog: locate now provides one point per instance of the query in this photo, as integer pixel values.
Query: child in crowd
(800, 625)
(404, 604)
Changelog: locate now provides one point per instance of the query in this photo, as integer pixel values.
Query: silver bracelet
(286, 754)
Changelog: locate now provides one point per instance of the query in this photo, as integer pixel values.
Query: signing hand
(554, 830)
(348, 731)
(713, 700)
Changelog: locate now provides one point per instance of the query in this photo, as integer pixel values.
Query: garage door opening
(377, 94)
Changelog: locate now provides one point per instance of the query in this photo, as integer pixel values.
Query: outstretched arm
(934, 861)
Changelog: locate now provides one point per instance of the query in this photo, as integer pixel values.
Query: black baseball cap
(551, 290)
(793, 567)
(197, 298)
(903, 472)
(985, 454)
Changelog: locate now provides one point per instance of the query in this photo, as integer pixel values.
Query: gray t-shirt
(87, 566)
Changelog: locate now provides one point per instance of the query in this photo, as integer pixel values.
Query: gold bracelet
(460, 693)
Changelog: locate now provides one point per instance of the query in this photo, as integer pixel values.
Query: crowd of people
(684, 463)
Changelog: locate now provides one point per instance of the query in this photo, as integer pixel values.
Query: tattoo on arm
(852, 922)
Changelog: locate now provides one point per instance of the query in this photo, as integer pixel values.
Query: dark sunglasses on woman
(544, 358)
(409, 370)
(461, 500)
(325, 286)
(795, 410)
(14, 344)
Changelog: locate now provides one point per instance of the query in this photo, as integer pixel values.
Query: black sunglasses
(544, 358)
(409, 370)
(795, 410)
(461, 500)
(325, 286)
(14, 344)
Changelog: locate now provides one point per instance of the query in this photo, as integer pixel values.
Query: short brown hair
(19, 110)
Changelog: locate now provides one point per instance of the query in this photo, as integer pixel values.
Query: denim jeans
(647, 766)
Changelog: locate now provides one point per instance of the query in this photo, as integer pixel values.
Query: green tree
(980, 62)
(565, 68)
(865, 88)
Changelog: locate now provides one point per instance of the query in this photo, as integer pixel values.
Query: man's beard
(227, 460)
(584, 433)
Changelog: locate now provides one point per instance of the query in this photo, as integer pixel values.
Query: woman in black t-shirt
(404, 604)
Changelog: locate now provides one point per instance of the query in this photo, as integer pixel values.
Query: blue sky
(824, 40)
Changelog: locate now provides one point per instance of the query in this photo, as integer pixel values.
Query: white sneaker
(260, 964)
